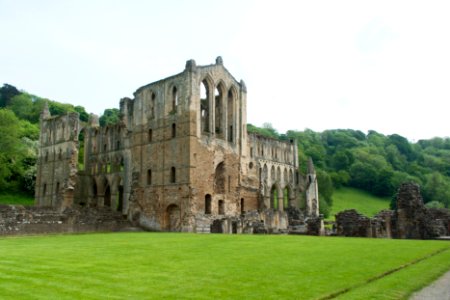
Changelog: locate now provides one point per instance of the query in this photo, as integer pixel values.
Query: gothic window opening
(120, 196)
(208, 204)
(174, 130)
(152, 105)
(274, 197)
(150, 135)
(172, 175)
(107, 198)
(219, 179)
(230, 115)
(204, 106)
(218, 112)
(174, 99)
(44, 189)
(242, 206)
(221, 207)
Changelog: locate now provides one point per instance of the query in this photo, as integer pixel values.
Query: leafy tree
(84, 116)
(326, 188)
(7, 92)
(11, 150)
(110, 116)
(267, 130)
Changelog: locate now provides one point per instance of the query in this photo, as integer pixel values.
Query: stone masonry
(180, 159)
(411, 219)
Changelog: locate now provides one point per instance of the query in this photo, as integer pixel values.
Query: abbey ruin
(180, 159)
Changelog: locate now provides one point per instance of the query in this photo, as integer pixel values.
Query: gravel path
(438, 290)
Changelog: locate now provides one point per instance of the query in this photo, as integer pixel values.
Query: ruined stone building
(180, 159)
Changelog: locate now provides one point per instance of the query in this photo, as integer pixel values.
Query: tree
(11, 150)
(110, 116)
(84, 116)
(7, 92)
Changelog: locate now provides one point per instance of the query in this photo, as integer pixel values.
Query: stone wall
(17, 219)
(411, 219)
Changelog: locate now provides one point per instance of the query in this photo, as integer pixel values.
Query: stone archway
(173, 218)
(107, 197)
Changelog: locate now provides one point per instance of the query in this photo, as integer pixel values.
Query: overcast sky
(380, 65)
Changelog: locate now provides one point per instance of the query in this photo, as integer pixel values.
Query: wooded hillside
(373, 162)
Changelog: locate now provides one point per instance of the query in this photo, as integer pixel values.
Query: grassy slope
(18, 198)
(189, 266)
(363, 202)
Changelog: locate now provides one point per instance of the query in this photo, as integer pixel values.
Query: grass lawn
(17, 198)
(214, 266)
(363, 202)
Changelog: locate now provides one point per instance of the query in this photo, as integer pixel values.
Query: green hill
(365, 203)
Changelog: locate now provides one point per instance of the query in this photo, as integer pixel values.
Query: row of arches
(218, 109)
(282, 175)
(107, 193)
(279, 151)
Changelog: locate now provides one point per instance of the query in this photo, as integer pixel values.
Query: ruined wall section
(273, 166)
(58, 160)
(104, 177)
(159, 145)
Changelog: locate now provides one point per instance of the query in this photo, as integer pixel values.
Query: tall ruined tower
(57, 160)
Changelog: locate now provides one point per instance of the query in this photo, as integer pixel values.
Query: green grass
(194, 266)
(365, 203)
(16, 198)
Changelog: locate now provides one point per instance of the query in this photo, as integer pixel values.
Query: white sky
(381, 65)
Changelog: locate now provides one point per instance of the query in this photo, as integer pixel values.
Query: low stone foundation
(22, 220)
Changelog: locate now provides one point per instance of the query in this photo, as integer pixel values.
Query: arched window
(150, 135)
(274, 197)
(172, 175)
(219, 179)
(44, 189)
(152, 105)
(174, 99)
(218, 112)
(107, 197)
(208, 204)
(230, 115)
(122, 164)
(242, 206)
(149, 177)
(174, 130)
(57, 187)
(204, 106)
(221, 207)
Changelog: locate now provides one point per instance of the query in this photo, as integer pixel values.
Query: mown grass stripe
(389, 272)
